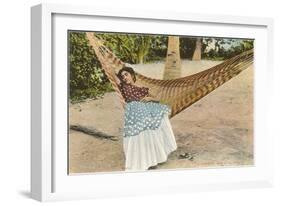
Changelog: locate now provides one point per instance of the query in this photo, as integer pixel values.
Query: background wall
(15, 101)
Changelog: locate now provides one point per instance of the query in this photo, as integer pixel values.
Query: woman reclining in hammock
(148, 136)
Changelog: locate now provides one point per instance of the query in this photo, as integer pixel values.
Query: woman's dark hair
(127, 69)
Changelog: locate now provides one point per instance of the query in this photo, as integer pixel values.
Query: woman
(148, 136)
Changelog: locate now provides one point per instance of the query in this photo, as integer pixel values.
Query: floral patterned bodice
(132, 92)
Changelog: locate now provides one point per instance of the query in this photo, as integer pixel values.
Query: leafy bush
(87, 79)
(135, 48)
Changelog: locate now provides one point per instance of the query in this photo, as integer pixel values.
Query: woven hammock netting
(178, 93)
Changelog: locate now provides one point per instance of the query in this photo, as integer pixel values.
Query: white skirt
(149, 147)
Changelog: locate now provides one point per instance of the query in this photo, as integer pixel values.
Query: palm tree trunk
(173, 63)
(197, 52)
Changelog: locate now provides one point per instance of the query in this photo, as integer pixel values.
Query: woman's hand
(148, 99)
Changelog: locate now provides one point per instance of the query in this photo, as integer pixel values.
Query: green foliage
(187, 47)
(158, 51)
(87, 79)
(214, 48)
(222, 48)
(135, 48)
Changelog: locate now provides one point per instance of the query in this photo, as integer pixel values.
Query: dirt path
(217, 130)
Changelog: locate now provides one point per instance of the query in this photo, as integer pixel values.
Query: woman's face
(127, 77)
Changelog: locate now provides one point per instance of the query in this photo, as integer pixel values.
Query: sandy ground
(217, 130)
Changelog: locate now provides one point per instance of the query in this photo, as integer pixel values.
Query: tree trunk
(140, 59)
(173, 63)
(197, 52)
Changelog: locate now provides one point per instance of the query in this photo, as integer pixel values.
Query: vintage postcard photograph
(146, 102)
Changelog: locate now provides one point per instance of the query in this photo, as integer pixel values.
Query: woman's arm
(153, 96)
(150, 97)
(117, 80)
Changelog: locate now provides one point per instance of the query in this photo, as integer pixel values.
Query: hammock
(178, 93)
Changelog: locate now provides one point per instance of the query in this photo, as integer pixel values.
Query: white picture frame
(49, 179)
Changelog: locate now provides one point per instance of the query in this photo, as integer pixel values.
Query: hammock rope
(178, 93)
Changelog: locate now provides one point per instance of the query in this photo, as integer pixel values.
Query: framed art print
(130, 103)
